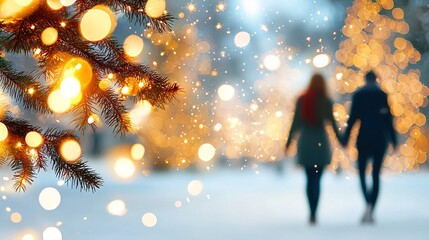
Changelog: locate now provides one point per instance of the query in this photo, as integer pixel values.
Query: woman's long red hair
(315, 90)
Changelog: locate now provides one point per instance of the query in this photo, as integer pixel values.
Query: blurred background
(211, 165)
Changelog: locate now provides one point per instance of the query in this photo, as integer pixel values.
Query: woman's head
(317, 84)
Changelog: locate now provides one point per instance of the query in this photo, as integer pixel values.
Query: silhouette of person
(313, 111)
(370, 106)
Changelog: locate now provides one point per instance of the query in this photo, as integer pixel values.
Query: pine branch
(23, 88)
(20, 157)
(114, 111)
(78, 175)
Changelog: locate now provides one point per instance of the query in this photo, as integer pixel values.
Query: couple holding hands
(314, 109)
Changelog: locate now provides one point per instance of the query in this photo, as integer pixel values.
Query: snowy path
(233, 205)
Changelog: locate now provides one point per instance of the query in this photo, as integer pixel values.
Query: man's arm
(352, 118)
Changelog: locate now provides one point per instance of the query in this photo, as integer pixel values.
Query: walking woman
(313, 111)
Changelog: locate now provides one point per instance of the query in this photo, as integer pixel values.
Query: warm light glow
(49, 36)
(52, 233)
(3, 132)
(272, 62)
(206, 152)
(27, 237)
(33, 139)
(117, 208)
(17, 8)
(97, 23)
(149, 220)
(195, 188)
(67, 3)
(321, 60)
(137, 151)
(242, 39)
(70, 87)
(80, 69)
(133, 45)
(57, 102)
(226, 92)
(124, 168)
(23, 3)
(70, 150)
(49, 198)
(155, 8)
(16, 217)
(54, 4)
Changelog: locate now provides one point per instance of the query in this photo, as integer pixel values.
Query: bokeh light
(321, 60)
(242, 39)
(117, 208)
(97, 23)
(79, 69)
(67, 3)
(16, 217)
(49, 36)
(55, 4)
(206, 152)
(28, 236)
(137, 151)
(49, 198)
(149, 220)
(195, 187)
(272, 62)
(33, 139)
(57, 102)
(70, 87)
(133, 45)
(3, 132)
(52, 233)
(226, 92)
(155, 8)
(70, 150)
(124, 168)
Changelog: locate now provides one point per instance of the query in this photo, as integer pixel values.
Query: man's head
(370, 76)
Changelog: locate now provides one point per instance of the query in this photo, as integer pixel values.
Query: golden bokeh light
(55, 4)
(3, 132)
(206, 152)
(67, 3)
(33, 139)
(80, 69)
(28, 236)
(124, 168)
(11, 9)
(49, 36)
(52, 233)
(97, 23)
(133, 45)
(226, 92)
(137, 151)
(149, 220)
(58, 103)
(49, 198)
(117, 208)
(195, 187)
(70, 151)
(155, 8)
(70, 87)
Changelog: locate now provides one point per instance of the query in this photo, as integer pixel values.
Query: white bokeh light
(206, 152)
(149, 220)
(195, 187)
(321, 60)
(49, 198)
(52, 233)
(242, 39)
(272, 62)
(117, 208)
(226, 92)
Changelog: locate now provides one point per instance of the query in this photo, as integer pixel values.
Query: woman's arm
(332, 121)
(295, 124)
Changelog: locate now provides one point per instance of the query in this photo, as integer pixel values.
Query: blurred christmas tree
(82, 70)
(373, 30)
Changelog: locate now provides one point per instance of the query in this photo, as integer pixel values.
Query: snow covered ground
(234, 204)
